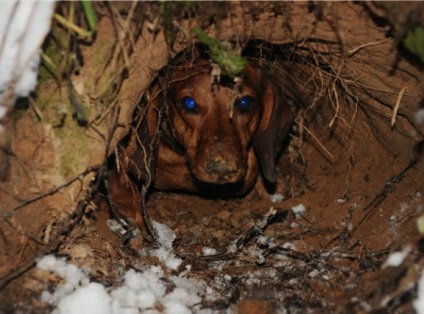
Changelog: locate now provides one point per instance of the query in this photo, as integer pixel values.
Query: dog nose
(223, 169)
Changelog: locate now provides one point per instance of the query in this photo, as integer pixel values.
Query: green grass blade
(90, 14)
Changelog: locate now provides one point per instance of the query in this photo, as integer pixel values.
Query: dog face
(217, 132)
(216, 140)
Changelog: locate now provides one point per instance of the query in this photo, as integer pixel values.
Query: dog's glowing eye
(189, 104)
(246, 104)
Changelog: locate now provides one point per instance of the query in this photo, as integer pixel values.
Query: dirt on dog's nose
(222, 170)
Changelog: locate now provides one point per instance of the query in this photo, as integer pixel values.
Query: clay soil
(359, 178)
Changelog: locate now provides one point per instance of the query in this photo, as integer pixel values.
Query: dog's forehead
(198, 74)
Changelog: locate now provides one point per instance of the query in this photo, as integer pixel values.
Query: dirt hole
(349, 180)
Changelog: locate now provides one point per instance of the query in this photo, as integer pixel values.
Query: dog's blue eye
(189, 104)
(245, 104)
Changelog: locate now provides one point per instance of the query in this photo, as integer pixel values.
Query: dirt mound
(349, 183)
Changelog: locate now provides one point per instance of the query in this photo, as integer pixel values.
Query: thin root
(397, 105)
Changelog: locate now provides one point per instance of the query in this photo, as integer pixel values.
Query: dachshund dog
(203, 132)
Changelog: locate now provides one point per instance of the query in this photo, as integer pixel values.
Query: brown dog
(211, 133)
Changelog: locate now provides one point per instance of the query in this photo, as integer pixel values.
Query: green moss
(47, 96)
(71, 142)
(51, 59)
(54, 49)
(414, 41)
(420, 224)
(72, 149)
(227, 59)
(102, 53)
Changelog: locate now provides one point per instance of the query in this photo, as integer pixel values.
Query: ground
(357, 175)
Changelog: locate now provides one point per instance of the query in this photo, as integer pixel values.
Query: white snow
(208, 251)
(73, 276)
(23, 27)
(290, 246)
(262, 239)
(419, 116)
(165, 239)
(341, 200)
(395, 259)
(419, 301)
(404, 207)
(91, 299)
(276, 198)
(314, 273)
(298, 210)
(140, 291)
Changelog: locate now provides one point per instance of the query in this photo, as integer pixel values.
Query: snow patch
(419, 116)
(341, 200)
(165, 239)
(276, 198)
(298, 210)
(74, 277)
(23, 27)
(91, 299)
(208, 251)
(140, 292)
(419, 301)
(395, 259)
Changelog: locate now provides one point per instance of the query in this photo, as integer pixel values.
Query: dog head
(224, 128)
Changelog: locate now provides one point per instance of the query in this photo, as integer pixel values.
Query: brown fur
(209, 147)
(171, 148)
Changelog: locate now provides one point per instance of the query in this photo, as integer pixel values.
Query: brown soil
(344, 163)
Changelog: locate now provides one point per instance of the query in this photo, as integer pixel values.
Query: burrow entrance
(352, 162)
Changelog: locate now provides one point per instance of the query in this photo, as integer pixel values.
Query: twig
(397, 105)
(11, 195)
(54, 245)
(7, 218)
(251, 233)
(105, 177)
(73, 219)
(338, 79)
(389, 186)
(337, 106)
(75, 28)
(304, 257)
(23, 268)
(145, 215)
(115, 211)
(387, 189)
(58, 188)
(148, 158)
(319, 143)
(374, 43)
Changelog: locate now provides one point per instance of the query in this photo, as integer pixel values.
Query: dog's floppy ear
(273, 127)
